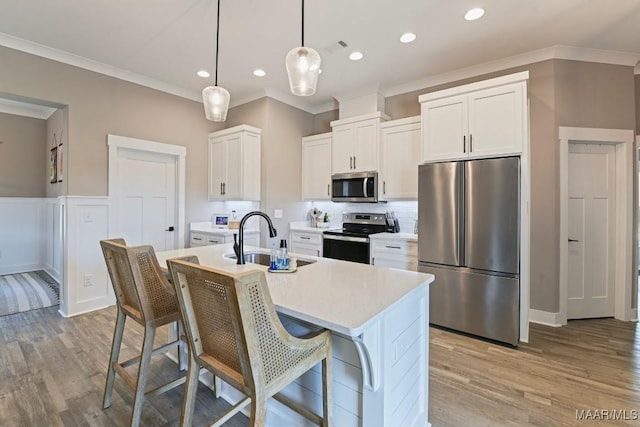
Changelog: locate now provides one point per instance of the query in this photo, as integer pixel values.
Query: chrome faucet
(238, 246)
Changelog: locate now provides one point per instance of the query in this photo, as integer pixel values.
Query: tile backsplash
(406, 211)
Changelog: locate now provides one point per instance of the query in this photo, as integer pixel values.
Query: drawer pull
(196, 238)
(393, 247)
(305, 238)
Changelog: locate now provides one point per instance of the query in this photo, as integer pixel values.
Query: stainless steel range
(352, 242)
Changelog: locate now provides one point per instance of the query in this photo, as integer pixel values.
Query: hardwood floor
(589, 365)
(52, 373)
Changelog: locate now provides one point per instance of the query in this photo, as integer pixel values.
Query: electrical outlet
(277, 213)
(87, 280)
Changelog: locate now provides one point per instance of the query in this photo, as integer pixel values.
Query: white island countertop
(342, 296)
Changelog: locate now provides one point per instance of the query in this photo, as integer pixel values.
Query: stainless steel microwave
(354, 187)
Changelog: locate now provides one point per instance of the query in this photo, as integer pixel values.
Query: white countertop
(343, 296)
(306, 227)
(207, 227)
(409, 237)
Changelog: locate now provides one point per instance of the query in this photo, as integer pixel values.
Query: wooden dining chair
(144, 295)
(234, 332)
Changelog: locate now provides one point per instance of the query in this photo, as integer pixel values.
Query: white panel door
(591, 210)
(147, 199)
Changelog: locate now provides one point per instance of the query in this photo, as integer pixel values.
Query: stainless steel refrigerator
(469, 238)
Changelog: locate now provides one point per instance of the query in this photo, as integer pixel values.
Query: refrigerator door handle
(462, 210)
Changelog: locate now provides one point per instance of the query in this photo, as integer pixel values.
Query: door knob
(573, 240)
(169, 229)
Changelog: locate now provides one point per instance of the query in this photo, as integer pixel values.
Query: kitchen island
(379, 320)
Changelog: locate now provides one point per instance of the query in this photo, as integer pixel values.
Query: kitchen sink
(265, 259)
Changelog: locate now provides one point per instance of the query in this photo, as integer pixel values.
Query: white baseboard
(19, 268)
(544, 318)
(85, 309)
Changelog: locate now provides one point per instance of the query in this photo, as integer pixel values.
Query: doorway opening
(624, 287)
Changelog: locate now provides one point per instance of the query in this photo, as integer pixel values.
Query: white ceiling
(162, 43)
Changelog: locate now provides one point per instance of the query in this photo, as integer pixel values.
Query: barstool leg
(143, 371)
(327, 391)
(190, 390)
(115, 354)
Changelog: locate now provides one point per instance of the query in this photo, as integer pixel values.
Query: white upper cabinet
(483, 119)
(356, 143)
(316, 167)
(400, 158)
(234, 164)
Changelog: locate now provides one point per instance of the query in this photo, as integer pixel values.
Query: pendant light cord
(218, 41)
(302, 20)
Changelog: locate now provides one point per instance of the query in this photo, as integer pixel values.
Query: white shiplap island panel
(379, 319)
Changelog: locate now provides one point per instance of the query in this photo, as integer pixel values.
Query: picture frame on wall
(53, 166)
(60, 163)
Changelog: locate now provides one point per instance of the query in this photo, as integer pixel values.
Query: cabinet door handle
(470, 143)
(328, 189)
(354, 162)
(224, 188)
(350, 162)
(393, 247)
(221, 189)
(318, 251)
(464, 143)
(384, 187)
(373, 260)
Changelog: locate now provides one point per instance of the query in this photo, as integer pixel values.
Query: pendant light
(303, 67)
(216, 98)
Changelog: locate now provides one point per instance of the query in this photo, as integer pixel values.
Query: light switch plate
(277, 213)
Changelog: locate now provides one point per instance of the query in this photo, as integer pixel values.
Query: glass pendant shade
(216, 103)
(303, 67)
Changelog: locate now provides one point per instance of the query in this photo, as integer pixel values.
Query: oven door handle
(346, 238)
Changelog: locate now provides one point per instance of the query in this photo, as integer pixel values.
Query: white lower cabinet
(304, 243)
(201, 238)
(394, 253)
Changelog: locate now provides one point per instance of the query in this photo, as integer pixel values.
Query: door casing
(624, 144)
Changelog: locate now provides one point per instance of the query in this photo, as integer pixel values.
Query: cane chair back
(233, 331)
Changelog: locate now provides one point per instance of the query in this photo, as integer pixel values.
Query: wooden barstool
(233, 331)
(143, 294)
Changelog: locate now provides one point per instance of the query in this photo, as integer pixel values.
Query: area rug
(27, 291)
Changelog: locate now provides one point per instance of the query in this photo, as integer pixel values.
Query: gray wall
(23, 169)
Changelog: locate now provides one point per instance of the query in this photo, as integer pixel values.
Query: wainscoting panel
(54, 237)
(22, 231)
(86, 281)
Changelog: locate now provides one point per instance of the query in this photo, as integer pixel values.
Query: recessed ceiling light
(356, 56)
(474, 14)
(203, 73)
(259, 72)
(407, 37)
(320, 71)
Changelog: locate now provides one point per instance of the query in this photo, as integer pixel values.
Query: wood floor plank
(53, 370)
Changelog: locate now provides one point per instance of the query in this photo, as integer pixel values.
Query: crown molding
(17, 108)
(95, 66)
(554, 52)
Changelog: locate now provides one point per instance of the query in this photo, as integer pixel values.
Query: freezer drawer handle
(464, 143)
(573, 240)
